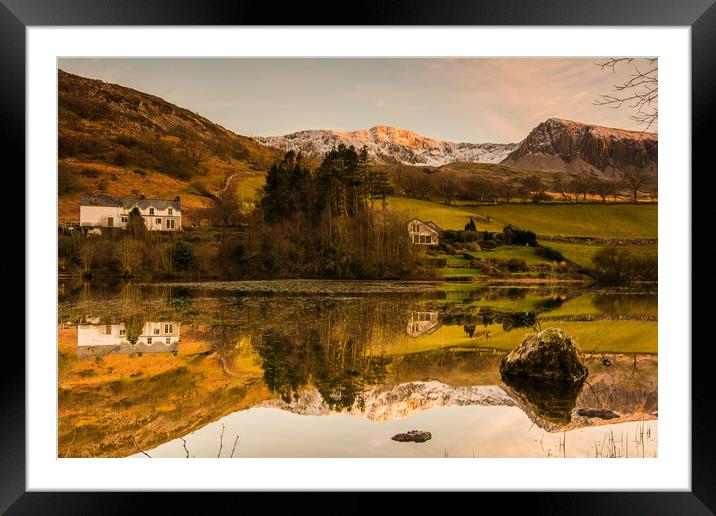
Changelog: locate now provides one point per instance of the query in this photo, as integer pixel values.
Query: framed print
(423, 252)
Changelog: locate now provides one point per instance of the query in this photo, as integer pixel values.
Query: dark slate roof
(429, 224)
(128, 202)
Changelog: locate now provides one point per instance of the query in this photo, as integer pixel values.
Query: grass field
(582, 253)
(589, 336)
(589, 220)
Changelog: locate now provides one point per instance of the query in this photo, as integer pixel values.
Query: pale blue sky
(473, 100)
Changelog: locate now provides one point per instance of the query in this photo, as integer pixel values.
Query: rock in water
(547, 355)
(415, 436)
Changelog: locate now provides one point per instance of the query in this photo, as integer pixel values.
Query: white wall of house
(421, 233)
(98, 335)
(168, 219)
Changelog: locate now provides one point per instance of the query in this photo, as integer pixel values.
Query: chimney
(177, 199)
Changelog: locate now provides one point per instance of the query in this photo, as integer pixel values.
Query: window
(158, 221)
(168, 328)
(151, 211)
(170, 211)
(124, 218)
(428, 239)
(122, 333)
(168, 340)
(149, 340)
(170, 223)
(156, 331)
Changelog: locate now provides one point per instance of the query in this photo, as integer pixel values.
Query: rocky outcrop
(391, 145)
(566, 146)
(414, 436)
(546, 356)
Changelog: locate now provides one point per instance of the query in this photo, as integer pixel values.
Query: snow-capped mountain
(399, 401)
(391, 145)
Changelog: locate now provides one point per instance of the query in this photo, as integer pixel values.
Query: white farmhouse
(422, 232)
(105, 339)
(101, 211)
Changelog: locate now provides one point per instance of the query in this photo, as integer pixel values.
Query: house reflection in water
(95, 340)
(422, 323)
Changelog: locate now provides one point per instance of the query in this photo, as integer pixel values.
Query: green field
(589, 220)
(588, 336)
(582, 253)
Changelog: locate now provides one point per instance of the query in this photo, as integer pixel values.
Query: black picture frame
(700, 15)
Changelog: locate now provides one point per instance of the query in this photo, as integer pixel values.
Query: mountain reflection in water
(156, 364)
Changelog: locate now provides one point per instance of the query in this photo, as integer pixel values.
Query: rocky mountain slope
(392, 145)
(566, 146)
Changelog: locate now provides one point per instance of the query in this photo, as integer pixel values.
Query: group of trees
(449, 186)
(614, 265)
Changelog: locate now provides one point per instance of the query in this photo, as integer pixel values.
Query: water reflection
(130, 337)
(369, 354)
(422, 323)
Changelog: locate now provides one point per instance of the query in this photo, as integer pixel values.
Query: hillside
(391, 145)
(124, 142)
(566, 146)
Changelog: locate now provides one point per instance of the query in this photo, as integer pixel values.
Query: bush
(67, 182)
(182, 255)
(90, 172)
(513, 235)
(549, 253)
(470, 236)
(611, 265)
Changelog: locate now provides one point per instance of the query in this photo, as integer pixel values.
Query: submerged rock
(415, 436)
(547, 355)
(600, 413)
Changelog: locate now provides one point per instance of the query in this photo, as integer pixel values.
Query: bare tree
(604, 188)
(635, 180)
(639, 92)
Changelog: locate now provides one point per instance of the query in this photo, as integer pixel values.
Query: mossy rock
(547, 355)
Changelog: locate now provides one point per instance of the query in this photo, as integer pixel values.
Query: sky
(480, 100)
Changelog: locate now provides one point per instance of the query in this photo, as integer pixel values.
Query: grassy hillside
(124, 142)
(591, 220)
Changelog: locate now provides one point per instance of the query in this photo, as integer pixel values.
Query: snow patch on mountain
(391, 144)
(382, 403)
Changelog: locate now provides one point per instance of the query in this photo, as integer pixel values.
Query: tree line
(450, 186)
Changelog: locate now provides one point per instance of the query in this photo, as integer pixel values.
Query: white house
(101, 211)
(422, 232)
(422, 323)
(105, 339)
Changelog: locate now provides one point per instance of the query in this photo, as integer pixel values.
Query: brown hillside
(123, 142)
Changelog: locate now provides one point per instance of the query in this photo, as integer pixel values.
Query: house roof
(428, 223)
(128, 202)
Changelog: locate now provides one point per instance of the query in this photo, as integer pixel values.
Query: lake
(314, 368)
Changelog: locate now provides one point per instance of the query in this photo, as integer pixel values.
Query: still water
(302, 368)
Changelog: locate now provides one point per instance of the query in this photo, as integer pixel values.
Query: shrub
(470, 236)
(67, 182)
(182, 255)
(514, 235)
(611, 264)
(549, 253)
(90, 172)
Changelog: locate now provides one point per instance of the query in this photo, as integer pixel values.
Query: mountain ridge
(563, 145)
(389, 144)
